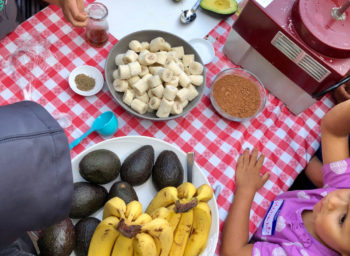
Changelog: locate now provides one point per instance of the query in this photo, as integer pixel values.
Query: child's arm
(248, 181)
(335, 128)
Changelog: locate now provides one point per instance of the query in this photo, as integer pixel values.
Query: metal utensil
(188, 16)
(339, 13)
(335, 86)
(217, 191)
(190, 162)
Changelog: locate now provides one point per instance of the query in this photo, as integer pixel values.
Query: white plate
(91, 72)
(204, 48)
(123, 146)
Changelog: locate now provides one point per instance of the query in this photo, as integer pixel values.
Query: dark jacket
(36, 182)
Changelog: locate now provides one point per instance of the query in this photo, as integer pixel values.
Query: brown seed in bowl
(237, 96)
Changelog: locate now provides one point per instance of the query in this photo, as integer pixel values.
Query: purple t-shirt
(282, 231)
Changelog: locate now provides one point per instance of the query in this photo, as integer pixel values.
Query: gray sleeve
(36, 182)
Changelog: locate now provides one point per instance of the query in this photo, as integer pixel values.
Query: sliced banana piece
(196, 68)
(135, 46)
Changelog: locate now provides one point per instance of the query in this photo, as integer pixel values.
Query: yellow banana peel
(182, 234)
(114, 207)
(204, 193)
(143, 219)
(133, 210)
(123, 246)
(144, 245)
(202, 219)
(163, 198)
(161, 229)
(103, 239)
(186, 190)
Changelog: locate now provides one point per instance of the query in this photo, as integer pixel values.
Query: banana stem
(185, 207)
(129, 231)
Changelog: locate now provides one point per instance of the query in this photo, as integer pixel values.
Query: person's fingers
(69, 18)
(253, 157)
(246, 157)
(260, 162)
(239, 162)
(264, 178)
(341, 94)
(80, 4)
(75, 12)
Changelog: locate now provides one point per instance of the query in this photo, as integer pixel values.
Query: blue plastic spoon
(105, 124)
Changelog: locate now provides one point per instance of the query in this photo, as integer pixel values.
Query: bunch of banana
(126, 231)
(186, 210)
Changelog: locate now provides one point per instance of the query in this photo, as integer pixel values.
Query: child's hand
(248, 171)
(341, 93)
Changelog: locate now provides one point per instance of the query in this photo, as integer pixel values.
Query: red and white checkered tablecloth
(287, 141)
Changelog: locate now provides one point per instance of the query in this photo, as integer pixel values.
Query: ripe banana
(200, 230)
(104, 237)
(180, 52)
(196, 68)
(163, 198)
(177, 108)
(204, 193)
(130, 56)
(123, 246)
(154, 102)
(133, 211)
(142, 219)
(135, 46)
(161, 229)
(184, 79)
(196, 79)
(165, 74)
(187, 59)
(158, 246)
(162, 213)
(156, 44)
(114, 207)
(186, 190)
(173, 218)
(161, 57)
(182, 234)
(144, 245)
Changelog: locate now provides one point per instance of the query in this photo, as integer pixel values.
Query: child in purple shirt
(311, 222)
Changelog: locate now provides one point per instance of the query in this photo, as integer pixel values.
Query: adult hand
(73, 11)
(341, 94)
(248, 171)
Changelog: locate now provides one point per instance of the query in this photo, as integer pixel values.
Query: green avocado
(99, 166)
(87, 199)
(167, 170)
(84, 230)
(220, 6)
(124, 191)
(137, 167)
(58, 239)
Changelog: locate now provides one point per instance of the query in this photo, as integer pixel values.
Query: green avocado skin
(100, 166)
(167, 170)
(84, 230)
(137, 167)
(58, 239)
(209, 5)
(123, 190)
(87, 199)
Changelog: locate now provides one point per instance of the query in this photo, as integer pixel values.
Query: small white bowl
(204, 48)
(88, 71)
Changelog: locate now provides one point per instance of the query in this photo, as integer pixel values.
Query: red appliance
(300, 38)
